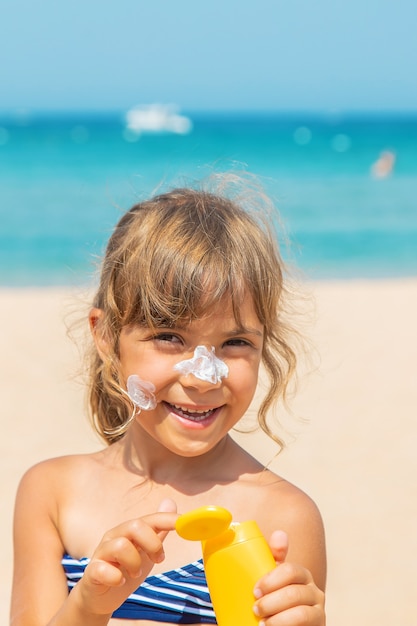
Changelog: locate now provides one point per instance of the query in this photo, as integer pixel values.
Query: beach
(353, 450)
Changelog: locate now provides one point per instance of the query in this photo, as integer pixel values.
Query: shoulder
(290, 509)
(37, 537)
(43, 493)
(285, 501)
(274, 500)
(48, 478)
(49, 468)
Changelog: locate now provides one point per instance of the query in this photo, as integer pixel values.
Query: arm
(293, 593)
(119, 564)
(39, 584)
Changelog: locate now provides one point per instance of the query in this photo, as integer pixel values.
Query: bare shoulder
(274, 501)
(289, 508)
(52, 471)
(37, 538)
(48, 481)
(292, 502)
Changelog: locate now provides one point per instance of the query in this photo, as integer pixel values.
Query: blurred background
(102, 105)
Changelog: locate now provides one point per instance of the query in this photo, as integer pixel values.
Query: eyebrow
(234, 332)
(245, 330)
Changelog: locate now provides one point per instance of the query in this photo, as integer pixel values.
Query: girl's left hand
(288, 596)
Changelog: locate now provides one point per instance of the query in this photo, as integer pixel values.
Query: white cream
(204, 365)
(141, 392)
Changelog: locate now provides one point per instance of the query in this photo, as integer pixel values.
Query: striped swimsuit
(179, 596)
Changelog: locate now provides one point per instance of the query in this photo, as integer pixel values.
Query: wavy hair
(172, 258)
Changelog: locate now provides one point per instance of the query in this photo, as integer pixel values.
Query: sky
(211, 55)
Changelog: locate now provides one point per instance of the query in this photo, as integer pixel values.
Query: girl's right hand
(123, 559)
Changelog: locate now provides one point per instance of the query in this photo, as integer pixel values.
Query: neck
(150, 460)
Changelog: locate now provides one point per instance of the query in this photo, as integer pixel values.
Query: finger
(287, 598)
(147, 526)
(122, 553)
(103, 573)
(283, 575)
(279, 545)
(142, 534)
(311, 615)
(166, 506)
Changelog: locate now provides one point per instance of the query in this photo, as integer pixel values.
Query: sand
(354, 454)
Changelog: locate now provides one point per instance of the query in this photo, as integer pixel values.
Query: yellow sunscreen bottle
(235, 557)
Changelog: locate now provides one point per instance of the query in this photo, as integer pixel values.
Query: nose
(190, 381)
(203, 367)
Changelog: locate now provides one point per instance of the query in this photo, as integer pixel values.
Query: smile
(195, 415)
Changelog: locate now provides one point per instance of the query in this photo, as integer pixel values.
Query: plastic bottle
(235, 557)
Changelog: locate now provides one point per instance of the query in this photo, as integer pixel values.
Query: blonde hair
(170, 259)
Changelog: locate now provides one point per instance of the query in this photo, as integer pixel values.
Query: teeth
(196, 416)
(185, 410)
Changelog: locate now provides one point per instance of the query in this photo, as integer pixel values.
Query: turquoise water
(64, 182)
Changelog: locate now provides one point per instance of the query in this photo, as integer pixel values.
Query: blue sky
(282, 55)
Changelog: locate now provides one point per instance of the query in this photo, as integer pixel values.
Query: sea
(345, 186)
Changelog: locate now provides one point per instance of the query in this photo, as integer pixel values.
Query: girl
(190, 304)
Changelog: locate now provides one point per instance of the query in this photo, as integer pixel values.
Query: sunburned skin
(141, 392)
(204, 365)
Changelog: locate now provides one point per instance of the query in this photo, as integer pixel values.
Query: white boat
(157, 118)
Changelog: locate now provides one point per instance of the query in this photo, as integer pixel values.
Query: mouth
(196, 416)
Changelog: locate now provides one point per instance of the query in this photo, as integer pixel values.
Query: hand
(123, 559)
(288, 596)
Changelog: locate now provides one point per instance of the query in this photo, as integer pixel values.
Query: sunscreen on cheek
(141, 392)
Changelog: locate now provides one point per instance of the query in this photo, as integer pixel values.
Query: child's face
(192, 415)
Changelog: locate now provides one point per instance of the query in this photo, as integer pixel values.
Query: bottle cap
(238, 532)
(203, 523)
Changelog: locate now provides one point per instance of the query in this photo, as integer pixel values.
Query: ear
(95, 318)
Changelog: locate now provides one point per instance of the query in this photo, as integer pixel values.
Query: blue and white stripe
(178, 596)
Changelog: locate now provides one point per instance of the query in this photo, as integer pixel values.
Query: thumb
(279, 545)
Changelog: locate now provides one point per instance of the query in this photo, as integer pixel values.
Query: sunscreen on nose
(204, 365)
(235, 555)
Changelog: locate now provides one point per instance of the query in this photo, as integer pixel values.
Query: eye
(167, 338)
(237, 342)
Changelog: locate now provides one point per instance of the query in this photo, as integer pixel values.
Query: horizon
(25, 114)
